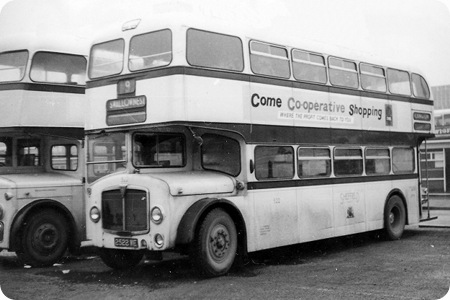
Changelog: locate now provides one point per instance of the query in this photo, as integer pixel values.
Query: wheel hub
(219, 242)
(45, 237)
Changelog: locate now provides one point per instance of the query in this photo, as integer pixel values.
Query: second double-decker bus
(216, 142)
(42, 94)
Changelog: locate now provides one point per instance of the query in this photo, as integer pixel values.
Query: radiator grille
(128, 214)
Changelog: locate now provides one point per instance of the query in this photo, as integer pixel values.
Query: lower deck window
(377, 161)
(348, 162)
(314, 162)
(274, 162)
(403, 160)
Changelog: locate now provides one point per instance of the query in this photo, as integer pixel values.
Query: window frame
(155, 67)
(315, 158)
(242, 59)
(389, 82)
(364, 73)
(67, 156)
(294, 62)
(343, 69)
(91, 58)
(269, 55)
(348, 158)
(293, 162)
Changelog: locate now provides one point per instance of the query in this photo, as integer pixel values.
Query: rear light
(2, 214)
(2, 230)
(95, 214)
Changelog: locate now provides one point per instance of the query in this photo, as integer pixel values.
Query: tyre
(44, 239)
(394, 218)
(120, 259)
(216, 244)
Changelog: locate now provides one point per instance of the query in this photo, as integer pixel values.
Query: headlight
(95, 214)
(156, 215)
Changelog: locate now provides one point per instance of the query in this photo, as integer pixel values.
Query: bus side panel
(276, 218)
(316, 213)
(376, 193)
(410, 191)
(349, 209)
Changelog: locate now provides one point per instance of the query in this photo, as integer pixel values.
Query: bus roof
(153, 18)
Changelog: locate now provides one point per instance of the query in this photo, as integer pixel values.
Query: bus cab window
(158, 150)
(274, 162)
(221, 153)
(64, 157)
(28, 151)
(5, 151)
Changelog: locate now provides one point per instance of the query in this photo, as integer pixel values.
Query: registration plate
(126, 242)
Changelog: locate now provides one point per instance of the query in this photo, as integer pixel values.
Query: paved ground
(362, 267)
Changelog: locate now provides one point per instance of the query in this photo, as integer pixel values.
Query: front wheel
(44, 239)
(120, 259)
(394, 218)
(216, 244)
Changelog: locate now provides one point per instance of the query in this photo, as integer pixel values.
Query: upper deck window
(13, 65)
(373, 78)
(343, 72)
(213, 50)
(106, 59)
(309, 66)
(150, 50)
(398, 82)
(58, 68)
(269, 60)
(420, 86)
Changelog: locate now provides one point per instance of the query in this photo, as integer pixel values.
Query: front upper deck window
(58, 68)
(13, 65)
(399, 82)
(158, 150)
(214, 50)
(420, 86)
(343, 72)
(106, 59)
(150, 50)
(269, 60)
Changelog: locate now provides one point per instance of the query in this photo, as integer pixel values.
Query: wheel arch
(39, 205)
(188, 226)
(399, 193)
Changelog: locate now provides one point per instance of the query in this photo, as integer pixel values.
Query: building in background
(437, 156)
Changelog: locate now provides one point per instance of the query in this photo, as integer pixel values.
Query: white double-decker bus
(42, 99)
(217, 142)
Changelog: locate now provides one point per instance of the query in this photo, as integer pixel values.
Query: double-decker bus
(216, 142)
(42, 99)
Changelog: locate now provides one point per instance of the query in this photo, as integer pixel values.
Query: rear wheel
(120, 259)
(216, 244)
(44, 239)
(394, 218)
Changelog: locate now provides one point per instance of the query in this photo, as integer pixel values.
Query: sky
(410, 32)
